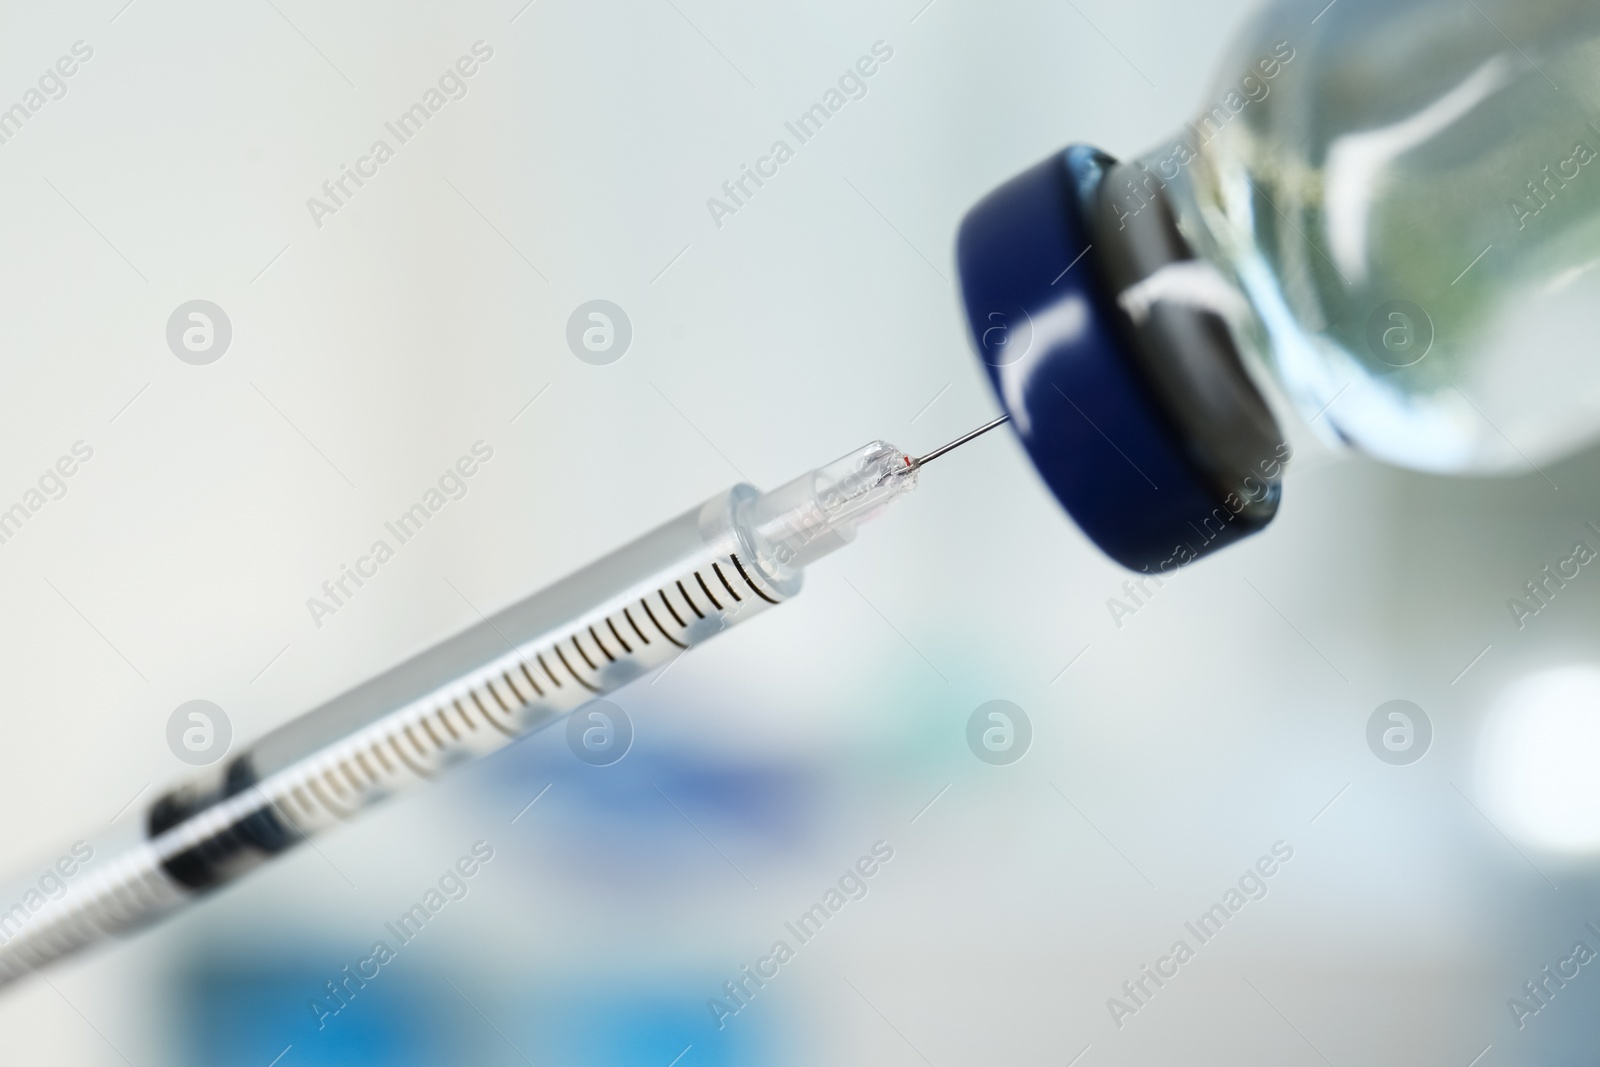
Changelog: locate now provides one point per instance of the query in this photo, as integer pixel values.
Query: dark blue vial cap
(1119, 418)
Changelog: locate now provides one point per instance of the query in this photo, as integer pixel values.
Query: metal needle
(963, 439)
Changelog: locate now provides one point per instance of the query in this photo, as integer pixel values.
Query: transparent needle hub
(818, 512)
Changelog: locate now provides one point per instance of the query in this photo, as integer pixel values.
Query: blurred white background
(372, 350)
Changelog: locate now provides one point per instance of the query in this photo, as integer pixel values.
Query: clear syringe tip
(805, 519)
(817, 513)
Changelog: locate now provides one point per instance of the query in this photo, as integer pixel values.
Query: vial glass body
(1407, 195)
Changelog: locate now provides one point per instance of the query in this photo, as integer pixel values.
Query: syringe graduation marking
(523, 666)
(743, 574)
(506, 674)
(414, 742)
(562, 656)
(427, 728)
(662, 593)
(444, 720)
(584, 654)
(663, 629)
(706, 589)
(540, 657)
(394, 743)
(692, 605)
(497, 724)
(626, 648)
(317, 793)
(629, 616)
(724, 580)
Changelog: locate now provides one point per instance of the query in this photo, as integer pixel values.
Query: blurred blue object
(241, 1015)
(236, 1015)
(629, 1024)
(761, 800)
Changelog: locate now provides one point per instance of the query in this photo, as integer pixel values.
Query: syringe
(735, 556)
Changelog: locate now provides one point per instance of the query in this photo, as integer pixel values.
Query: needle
(963, 439)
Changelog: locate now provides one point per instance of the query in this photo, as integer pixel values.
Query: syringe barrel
(524, 667)
(506, 676)
(503, 677)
